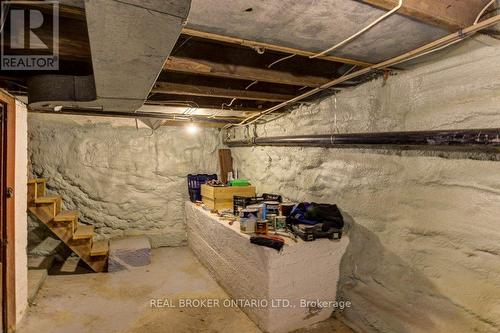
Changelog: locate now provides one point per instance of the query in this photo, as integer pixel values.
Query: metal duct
(130, 40)
(488, 139)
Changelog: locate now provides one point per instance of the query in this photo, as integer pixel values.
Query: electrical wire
(4, 16)
(256, 81)
(360, 32)
(484, 10)
(251, 84)
(243, 123)
(426, 49)
(476, 21)
(280, 60)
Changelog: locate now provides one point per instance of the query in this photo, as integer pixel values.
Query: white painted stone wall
(251, 272)
(124, 181)
(21, 229)
(425, 230)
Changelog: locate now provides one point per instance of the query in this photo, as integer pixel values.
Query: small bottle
(261, 227)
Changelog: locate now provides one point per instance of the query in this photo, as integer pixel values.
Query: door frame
(7, 241)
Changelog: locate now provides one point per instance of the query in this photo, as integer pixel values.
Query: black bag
(313, 213)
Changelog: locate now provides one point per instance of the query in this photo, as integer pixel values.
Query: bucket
(286, 208)
(271, 218)
(280, 223)
(260, 209)
(249, 213)
(270, 207)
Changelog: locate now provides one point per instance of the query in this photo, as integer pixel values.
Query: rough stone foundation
(424, 253)
(125, 181)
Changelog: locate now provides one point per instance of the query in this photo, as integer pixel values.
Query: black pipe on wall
(470, 139)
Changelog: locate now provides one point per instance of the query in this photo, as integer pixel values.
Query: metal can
(248, 217)
(271, 218)
(261, 227)
(280, 223)
(270, 207)
(286, 208)
(247, 226)
(260, 209)
(249, 212)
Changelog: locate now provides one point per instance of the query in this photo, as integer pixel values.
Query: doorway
(7, 215)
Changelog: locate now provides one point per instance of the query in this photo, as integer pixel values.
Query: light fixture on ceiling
(192, 128)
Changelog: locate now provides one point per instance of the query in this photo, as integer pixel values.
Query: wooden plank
(241, 72)
(99, 248)
(226, 192)
(47, 200)
(83, 231)
(448, 14)
(64, 232)
(198, 123)
(7, 207)
(206, 103)
(66, 215)
(196, 90)
(278, 48)
(225, 163)
(37, 180)
(442, 42)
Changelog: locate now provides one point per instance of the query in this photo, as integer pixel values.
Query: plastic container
(240, 202)
(239, 182)
(194, 185)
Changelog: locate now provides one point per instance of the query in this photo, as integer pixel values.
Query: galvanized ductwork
(130, 41)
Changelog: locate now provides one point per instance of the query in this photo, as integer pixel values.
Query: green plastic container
(239, 182)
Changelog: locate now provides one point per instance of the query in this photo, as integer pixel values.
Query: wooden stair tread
(66, 215)
(99, 248)
(37, 180)
(83, 231)
(64, 224)
(47, 199)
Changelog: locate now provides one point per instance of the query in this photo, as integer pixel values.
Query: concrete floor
(120, 302)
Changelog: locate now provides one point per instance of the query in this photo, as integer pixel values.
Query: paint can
(249, 213)
(270, 207)
(261, 227)
(260, 209)
(248, 217)
(280, 223)
(271, 218)
(286, 208)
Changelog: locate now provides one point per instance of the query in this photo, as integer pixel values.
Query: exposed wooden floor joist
(278, 48)
(205, 67)
(448, 14)
(196, 90)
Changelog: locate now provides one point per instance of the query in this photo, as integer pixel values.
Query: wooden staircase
(64, 224)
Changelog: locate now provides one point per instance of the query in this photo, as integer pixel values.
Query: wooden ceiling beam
(241, 72)
(272, 47)
(196, 90)
(243, 110)
(451, 15)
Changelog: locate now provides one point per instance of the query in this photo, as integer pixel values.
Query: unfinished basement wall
(124, 181)
(424, 227)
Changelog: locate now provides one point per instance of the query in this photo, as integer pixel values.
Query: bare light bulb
(192, 128)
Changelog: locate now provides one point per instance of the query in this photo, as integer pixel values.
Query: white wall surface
(125, 181)
(425, 230)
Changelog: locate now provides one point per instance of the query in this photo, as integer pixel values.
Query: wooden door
(7, 215)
